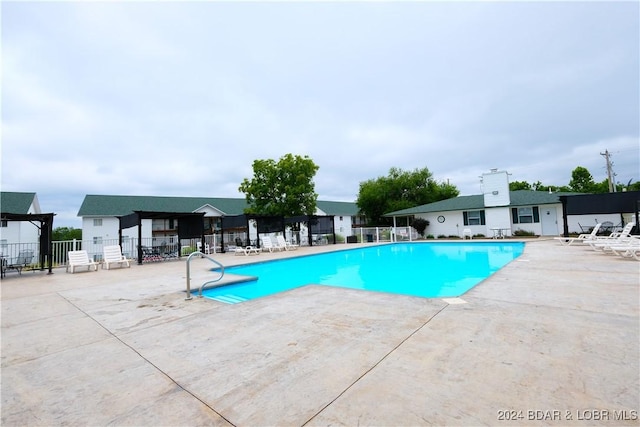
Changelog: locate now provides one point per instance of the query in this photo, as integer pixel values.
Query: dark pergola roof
(606, 203)
(190, 225)
(318, 224)
(46, 231)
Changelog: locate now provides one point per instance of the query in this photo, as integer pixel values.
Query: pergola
(45, 226)
(606, 203)
(190, 226)
(264, 224)
(317, 224)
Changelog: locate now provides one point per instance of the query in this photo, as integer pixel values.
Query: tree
(519, 185)
(633, 187)
(284, 188)
(66, 233)
(400, 190)
(581, 180)
(420, 224)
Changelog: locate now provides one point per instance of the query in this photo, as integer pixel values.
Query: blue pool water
(427, 270)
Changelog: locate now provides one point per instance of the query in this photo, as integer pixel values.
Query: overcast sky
(179, 98)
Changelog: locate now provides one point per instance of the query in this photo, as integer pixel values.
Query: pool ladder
(198, 253)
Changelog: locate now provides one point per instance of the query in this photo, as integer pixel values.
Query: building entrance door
(549, 222)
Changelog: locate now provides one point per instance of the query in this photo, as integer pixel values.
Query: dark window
(525, 215)
(473, 217)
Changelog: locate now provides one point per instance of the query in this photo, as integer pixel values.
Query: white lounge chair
(247, 250)
(604, 242)
(467, 233)
(286, 245)
(268, 245)
(80, 259)
(113, 255)
(567, 241)
(629, 250)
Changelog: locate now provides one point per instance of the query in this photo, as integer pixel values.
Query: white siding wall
(109, 229)
(452, 226)
(575, 221)
(342, 227)
(21, 231)
(497, 218)
(495, 187)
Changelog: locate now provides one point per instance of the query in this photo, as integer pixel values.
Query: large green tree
(582, 181)
(519, 185)
(284, 187)
(400, 190)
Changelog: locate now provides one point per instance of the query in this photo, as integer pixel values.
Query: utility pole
(610, 174)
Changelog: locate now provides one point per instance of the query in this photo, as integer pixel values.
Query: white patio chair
(113, 255)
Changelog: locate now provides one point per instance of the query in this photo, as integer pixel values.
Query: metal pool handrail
(205, 283)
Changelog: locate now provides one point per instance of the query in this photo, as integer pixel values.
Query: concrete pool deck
(551, 339)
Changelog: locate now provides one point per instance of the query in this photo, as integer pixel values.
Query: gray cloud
(156, 98)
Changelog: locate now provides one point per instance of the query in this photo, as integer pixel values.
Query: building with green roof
(15, 232)
(497, 212)
(100, 214)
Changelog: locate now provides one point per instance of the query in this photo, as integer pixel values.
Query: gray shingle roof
(111, 205)
(16, 203)
(518, 198)
(338, 208)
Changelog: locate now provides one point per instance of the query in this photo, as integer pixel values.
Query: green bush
(522, 233)
(187, 250)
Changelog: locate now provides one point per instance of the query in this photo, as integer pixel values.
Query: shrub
(187, 250)
(420, 224)
(520, 232)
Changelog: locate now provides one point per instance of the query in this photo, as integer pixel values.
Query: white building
(16, 232)
(498, 211)
(100, 215)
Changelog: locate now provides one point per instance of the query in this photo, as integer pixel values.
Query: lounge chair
(247, 250)
(567, 241)
(23, 259)
(614, 239)
(629, 250)
(267, 244)
(286, 245)
(467, 233)
(113, 255)
(80, 259)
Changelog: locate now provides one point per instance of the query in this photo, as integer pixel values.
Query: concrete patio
(551, 339)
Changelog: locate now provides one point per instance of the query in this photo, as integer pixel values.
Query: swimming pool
(429, 270)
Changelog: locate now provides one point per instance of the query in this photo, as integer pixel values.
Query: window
(4, 223)
(525, 215)
(473, 217)
(97, 222)
(97, 240)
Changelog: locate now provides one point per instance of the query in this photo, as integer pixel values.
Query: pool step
(229, 298)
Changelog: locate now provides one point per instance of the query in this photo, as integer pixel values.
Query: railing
(385, 234)
(205, 283)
